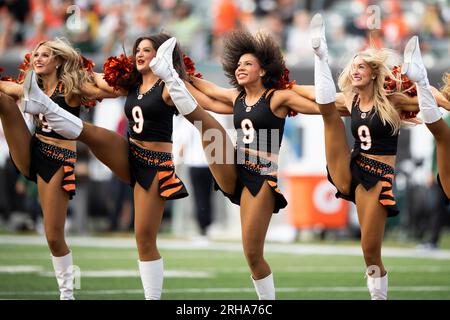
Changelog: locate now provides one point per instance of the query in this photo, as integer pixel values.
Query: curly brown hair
(262, 47)
(157, 40)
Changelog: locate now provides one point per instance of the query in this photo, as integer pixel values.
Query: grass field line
(207, 272)
(232, 290)
(104, 242)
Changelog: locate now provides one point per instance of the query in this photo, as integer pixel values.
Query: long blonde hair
(70, 73)
(446, 88)
(377, 59)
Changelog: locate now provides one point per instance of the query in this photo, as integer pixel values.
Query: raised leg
(337, 151)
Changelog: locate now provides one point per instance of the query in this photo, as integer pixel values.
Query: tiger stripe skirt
(146, 164)
(252, 172)
(368, 172)
(46, 159)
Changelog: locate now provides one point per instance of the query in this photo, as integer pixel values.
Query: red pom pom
(117, 68)
(23, 68)
(6, 78)
(405, 86)
(284, 83)
(87, 64)
(404, 115)
(190, 67)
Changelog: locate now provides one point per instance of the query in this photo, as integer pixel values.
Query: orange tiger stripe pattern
(68, 158)
(159, 163)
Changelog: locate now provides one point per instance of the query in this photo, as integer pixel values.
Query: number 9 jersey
(149, 117)
(371, 135)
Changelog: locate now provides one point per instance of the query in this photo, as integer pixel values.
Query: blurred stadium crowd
(99, 27)
(102, 28)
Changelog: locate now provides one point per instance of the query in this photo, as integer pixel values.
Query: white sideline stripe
(235, 290)
(211, 272)
(20, 269)
(106, 273)
(105, 242)
(135, 274)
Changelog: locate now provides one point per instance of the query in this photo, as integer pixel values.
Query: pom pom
(23, 68)
(5, 78)
(87, 64)
(403, 84)
(284, 83)
(118, 70)
(190, 67)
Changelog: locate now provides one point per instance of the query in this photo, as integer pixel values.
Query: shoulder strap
(269, 93)
(241, 94)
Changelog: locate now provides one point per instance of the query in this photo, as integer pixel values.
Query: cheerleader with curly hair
(255, 68)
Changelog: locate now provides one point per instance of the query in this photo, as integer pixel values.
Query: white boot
(64, 275)
(35, 101)
(378, 287)
(162, 66)
(415, 70)
(323, 80)
(152, 275)
(265, 287)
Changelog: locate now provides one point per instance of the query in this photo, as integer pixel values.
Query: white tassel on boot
(265, 287)
(35, 102)
(152, 275)
(64, 275)
(415, 70)
(162, 66)
(378, 287)
(324, 86)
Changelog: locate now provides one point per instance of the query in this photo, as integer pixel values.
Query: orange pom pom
(118, 70)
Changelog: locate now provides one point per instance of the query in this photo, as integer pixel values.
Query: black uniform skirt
(146, 164)
(368, 173)
(252, 173)
(46, 159)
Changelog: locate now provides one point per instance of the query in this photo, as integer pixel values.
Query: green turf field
(218, 271)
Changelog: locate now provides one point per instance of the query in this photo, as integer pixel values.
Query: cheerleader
(255, 66)
(365, 174)
(143, 159)
(46, 157)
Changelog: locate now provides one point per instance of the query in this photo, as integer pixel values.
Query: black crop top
(149, 117)
(371, 135)
(256, 125)
(60, 100)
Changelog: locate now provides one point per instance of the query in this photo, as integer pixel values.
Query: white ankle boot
(162, 66)
(152, 275)
(378, 287)
(265, 287)
(323, 80)
(415, 70)
(35, 101)
(64, 275)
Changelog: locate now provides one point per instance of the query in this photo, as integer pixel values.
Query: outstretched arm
(209, 103)
(104, 87)
(404, 102)
(214, 91)
(92, 92)
(12, 89)
(307, 91)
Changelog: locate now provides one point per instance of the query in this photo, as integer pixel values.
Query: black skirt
(368, 173)
(146, 164)
(46, 159)
(252, 173)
